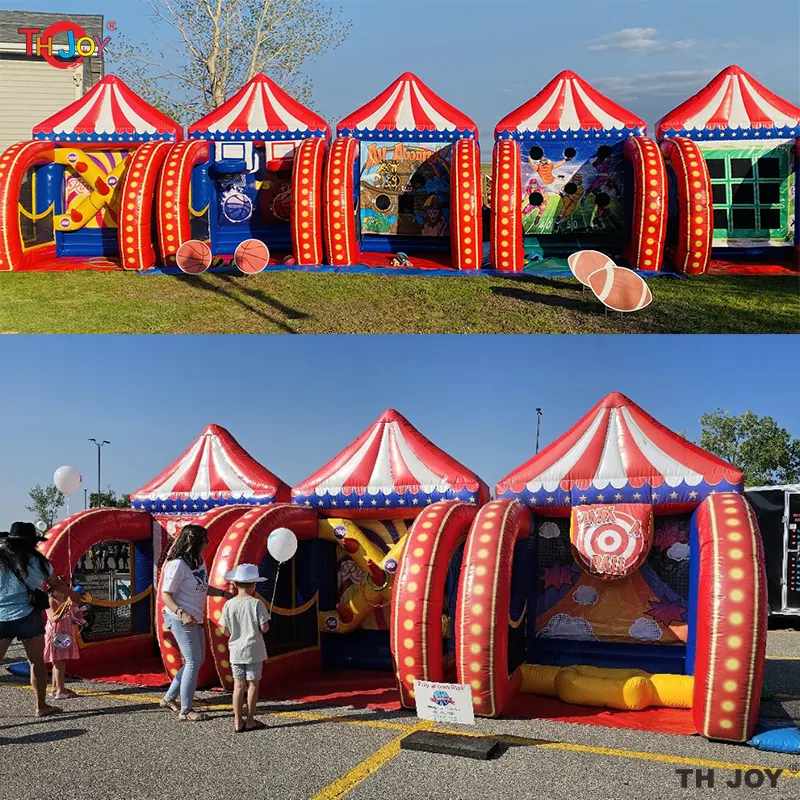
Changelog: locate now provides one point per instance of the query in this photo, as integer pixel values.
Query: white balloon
(282, 544)
(67, 480)
(41, 526)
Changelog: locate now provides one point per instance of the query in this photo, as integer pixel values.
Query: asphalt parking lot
(114, 742)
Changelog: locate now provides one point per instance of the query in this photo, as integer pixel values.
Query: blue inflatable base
(777, 740)
(22, 670)
(534, 270)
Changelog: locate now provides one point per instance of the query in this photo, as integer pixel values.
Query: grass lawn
(286, 302)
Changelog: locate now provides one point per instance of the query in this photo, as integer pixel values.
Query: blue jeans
(191, 640)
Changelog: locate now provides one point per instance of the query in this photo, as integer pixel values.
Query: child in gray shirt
(245, 619)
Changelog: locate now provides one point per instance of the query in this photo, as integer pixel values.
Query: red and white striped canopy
(617, 449)
(260, 110)
(109, 112)
(408, 108)
(215, 469)
(568, 104)
(733, 101)
(391, 464)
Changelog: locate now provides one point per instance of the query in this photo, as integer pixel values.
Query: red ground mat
(142, 672)
(656, 720)
(430, 261)
(73, 264)
(716, 267)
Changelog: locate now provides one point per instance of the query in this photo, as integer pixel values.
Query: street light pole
(538, 423)
(99, 445)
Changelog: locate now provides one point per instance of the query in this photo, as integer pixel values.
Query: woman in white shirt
(184, 589)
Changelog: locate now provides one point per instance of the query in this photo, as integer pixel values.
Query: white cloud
(549, 530)
(646, 630)
(563, 626)
(585, 595)
(637, 40)
(680, 84)
(679, 551)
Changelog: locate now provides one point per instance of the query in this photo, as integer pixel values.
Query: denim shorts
(23, 629)
(247, 672)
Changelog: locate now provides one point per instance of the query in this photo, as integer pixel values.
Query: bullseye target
(611, 541)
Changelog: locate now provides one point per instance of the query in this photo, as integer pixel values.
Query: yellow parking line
(782, 658)
(360, 772)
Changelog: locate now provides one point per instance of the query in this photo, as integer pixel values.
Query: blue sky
(294, 402)
(486, 57)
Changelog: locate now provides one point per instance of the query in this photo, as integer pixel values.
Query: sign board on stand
(444, 702)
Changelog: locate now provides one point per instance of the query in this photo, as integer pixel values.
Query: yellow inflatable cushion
(626, 689)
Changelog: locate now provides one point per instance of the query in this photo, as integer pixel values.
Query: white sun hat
(245, 573)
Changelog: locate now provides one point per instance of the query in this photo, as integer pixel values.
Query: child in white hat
(245, 618)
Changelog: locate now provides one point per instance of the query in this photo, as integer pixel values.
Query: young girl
(60, 639)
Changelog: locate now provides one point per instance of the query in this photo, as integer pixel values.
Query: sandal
(170, 704)
(191, 716)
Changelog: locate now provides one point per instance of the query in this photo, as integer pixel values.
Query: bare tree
(205, 50)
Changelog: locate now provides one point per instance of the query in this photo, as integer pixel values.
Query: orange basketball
(193, 257)
(583, 263)
(620, 289)
(252, 256)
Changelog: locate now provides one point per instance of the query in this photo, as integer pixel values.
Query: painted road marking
(361, 771)
(611, 752)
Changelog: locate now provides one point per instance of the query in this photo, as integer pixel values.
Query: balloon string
(275, 587)
(68, 576)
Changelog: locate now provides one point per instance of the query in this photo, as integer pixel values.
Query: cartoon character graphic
(570, 198)
(537, 199)
(435, 223)
(602, 204)
(602, 168)
(544, 167)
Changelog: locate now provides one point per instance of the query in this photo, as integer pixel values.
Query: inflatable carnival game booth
(249, 170)
(572, 170)
(403, 177)
(645, 580)
(80, 194)
(732, 152)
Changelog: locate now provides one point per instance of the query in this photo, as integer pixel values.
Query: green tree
(109, 499)
(206, 50)
(46, 502)
(765, 452)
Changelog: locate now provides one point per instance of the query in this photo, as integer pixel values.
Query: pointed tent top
(568, 104)
(391, 469)
(732, 101)
(260, 111)
(109, 112)
(213, 471)
(408, 109)
(618, 453)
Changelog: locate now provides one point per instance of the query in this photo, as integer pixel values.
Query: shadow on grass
(582, 304)
(225, 285)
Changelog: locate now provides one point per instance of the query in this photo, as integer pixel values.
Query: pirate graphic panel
(70, 181)
(246, 189)
(731, 156)
(560, 179)
(391, 175)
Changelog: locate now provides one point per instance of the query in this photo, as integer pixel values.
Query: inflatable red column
(306, 209)
(484, 600)
(731, 625)
(136, 223)
(174, 189)
(695, 207)
(650, 207)
(418, 594)
(506, 250)
(466, 205)
(341, 242)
